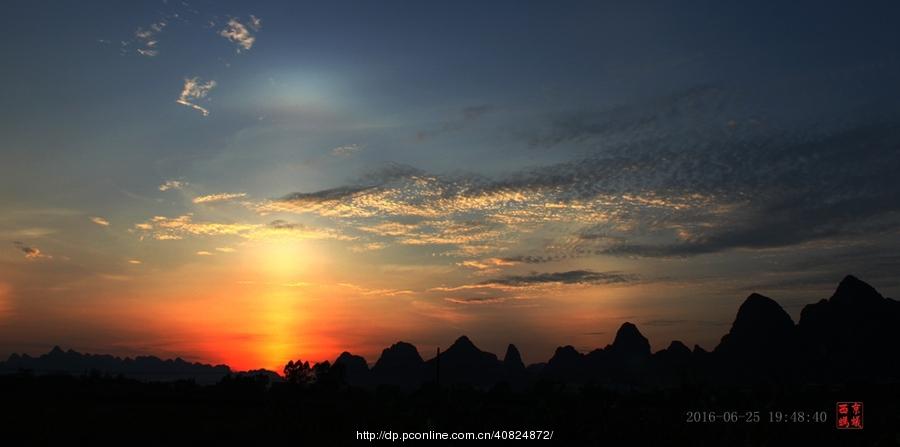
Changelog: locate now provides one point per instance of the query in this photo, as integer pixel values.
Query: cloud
(686, 196)
(221, 197)
(255, 23)
(280, 224)
(347, 150)
(695, 173)
(369, 291)
(100, 221)
(481, 293)
(33, 232)
(238, 33)
(147, 39)
(134, 261)
(525, 287)
(176, 228)
(194, 90)
(569, 277)
(531, 259)
(31, 253)
(486, 265)
(318, 201)
(225, 249)
(471, 213)
(370, 246)
(172, 184)
(204, 253)
(477, 300)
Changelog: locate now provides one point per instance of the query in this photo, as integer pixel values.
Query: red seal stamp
(849, 415)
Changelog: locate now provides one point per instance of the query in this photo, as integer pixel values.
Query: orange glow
(5, 305)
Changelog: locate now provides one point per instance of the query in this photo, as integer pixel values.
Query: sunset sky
(253, 182)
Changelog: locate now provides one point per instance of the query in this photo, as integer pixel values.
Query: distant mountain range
(854, 335)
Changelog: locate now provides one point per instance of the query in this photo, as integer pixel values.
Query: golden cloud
(174, 228)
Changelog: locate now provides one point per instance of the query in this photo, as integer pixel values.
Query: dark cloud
(390, 172)
(280, 224)
(629, 123)
(325, 195)
(28, 251)
(536, 259)
(694, 173)
(570, 277)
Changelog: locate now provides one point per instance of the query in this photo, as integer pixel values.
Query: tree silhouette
(298, 372)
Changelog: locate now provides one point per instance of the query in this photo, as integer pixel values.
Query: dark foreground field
(93, 410)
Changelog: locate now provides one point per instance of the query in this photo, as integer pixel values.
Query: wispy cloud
(669, 179)
(194, 90)
(255, 23)
(237, 32)
(313, 201)
(486, 264)
(204, 253)
(529, 286)
(478, 300)
(472, 215)
(347, 150)
(369, 246)
(221, 197)
(569, 277)
(175, 228)
(100, 221)
(31, 253)
(172, 184)
(147, 39)
(540, 279)
(369, 291)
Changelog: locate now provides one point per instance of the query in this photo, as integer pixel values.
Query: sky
(253, 182)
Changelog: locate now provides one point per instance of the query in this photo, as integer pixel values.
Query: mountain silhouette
(675, 364)
(463, 362)
(399, 365)
(855, 332)
(566, 365)
(676, 354)
(356, 371)
(761, 343)
(853, 291)
(625, 361)
(512, 361)
(514, 371)
(851, 335)
(630, 343)
(148, 368)
(761, 327)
